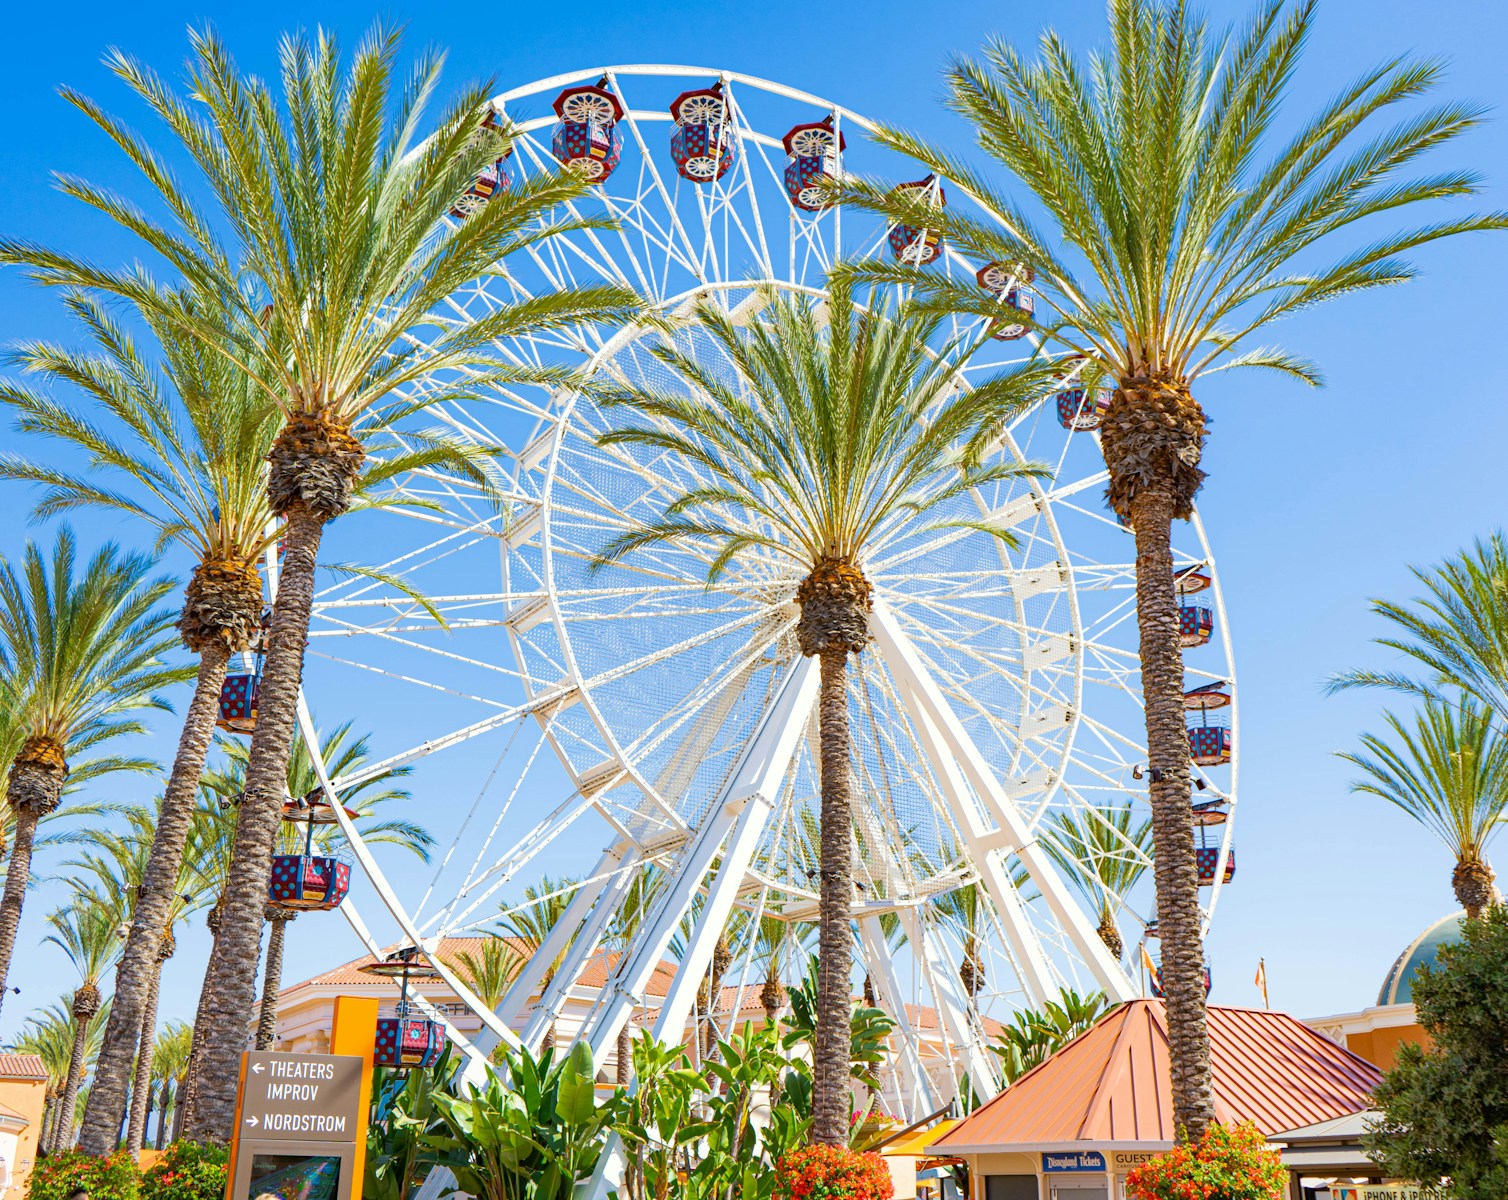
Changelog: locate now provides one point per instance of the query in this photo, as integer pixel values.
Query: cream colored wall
(27, 1097)
(981, 1165)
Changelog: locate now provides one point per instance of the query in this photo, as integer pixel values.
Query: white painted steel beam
(384, 889)
(1014, 836)
(953, 1008)
(587, 941)
(918, 1097)
(740, 810)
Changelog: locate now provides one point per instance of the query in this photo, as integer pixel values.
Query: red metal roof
(1111, 1084)
(22, 1066)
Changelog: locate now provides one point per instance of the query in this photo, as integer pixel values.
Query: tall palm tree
(1457, 631)
(843, 425)
(49, 1034)
(342, 755)
(181, 445)
(1175, 238)
(339, 247)
(1104, 852)
(88, 932)
(530, 922)
(119, 861)
(1448, 769)
(82, 656)
(170, 1055)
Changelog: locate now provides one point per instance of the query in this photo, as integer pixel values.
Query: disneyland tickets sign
(311, 1097)
(1073, 1160)
(1386, 1191)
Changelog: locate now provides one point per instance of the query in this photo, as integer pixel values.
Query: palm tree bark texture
(141, 1089)
(313, 469)
(272, 977)
(835, 600)
(34, 788)
(1152, 437)
(86, 1003)
(139, 967)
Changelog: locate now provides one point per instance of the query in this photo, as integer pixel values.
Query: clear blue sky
(1316, 500)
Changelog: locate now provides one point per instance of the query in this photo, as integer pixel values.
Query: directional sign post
(298, 1120)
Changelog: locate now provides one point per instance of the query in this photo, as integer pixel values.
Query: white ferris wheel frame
(728, 836)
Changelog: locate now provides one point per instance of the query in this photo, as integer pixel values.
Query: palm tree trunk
(230, 982)
(625, 1053)
(1178, 919)
(49, 1113)
(17, 873)
(180, 1106)
(141, 1091)
(272, 979)
(63, 1132)
(162, 1113)
(139, 969)
(1472, 881)
(830, 1065)
(187, 1087)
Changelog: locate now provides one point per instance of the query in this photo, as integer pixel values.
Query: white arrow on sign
(252, 1121)
(256, 1068)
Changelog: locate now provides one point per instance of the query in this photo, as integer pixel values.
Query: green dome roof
(1398, 987)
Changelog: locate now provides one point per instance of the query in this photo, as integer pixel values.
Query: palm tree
(530, 922)
(48, 1033)
(88, 931)
(1179, 245)
(1448, 769)
(1104, 852)
(340, 248)
(965, 906)
(82, 655)
(775, 942)
(170, 1057)
(120, 865)
(342, 755)
(183, 447)
(1457, 631)
(843, 425)
(488, 972)
(1034, 1034)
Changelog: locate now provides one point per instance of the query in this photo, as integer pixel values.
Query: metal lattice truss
(671, 723)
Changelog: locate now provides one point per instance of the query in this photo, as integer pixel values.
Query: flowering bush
(186, 1171)
(1225, 1164)
(832, 1173)
(111, 1178)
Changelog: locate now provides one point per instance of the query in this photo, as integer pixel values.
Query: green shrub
(112, 1178)
(186, 1171)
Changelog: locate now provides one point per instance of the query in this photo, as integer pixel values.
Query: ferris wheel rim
(1068, 555)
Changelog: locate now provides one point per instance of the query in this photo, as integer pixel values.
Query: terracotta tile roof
(593, 975)
(1111, 1084)
(22, 1066)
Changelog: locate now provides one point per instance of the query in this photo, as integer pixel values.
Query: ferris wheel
(584, 721)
